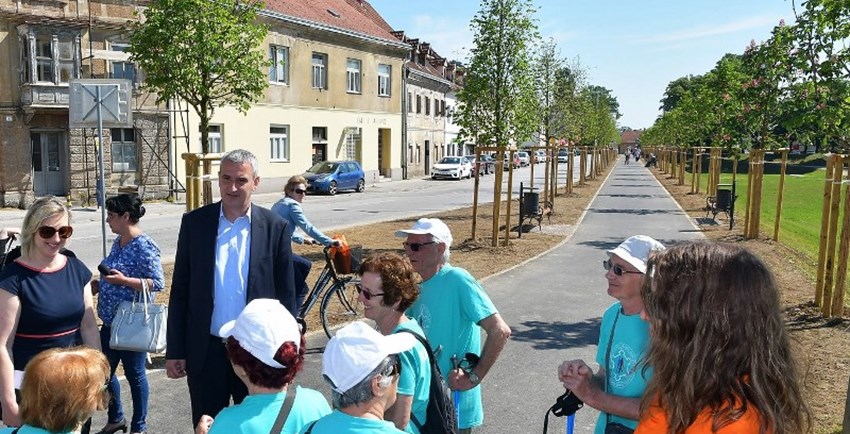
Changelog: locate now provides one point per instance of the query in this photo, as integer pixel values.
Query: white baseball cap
(356, 350)
(261, 328)
(434, 227)
(636, 249)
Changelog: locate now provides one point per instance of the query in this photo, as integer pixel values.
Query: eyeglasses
(618, 270)
(366, 294)
(299, 191)
(49, 231)
(417, 246)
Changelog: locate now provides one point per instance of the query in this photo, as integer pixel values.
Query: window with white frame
(50, 56)
(409, 102)
(418, 103)
(214, 139)
(384, 80)
(427, 106)
(352, 76)
(122, 69)
(124, 157)
(279, 142)
(320, 70)
(353, 142)
(279, 71)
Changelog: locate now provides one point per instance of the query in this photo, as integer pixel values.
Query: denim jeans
(134, 370)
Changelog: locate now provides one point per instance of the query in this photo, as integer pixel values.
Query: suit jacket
(191, 302)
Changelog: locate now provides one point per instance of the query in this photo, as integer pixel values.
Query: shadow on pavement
(633, 211)
(558, 335)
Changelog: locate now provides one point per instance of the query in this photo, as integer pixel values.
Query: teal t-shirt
(340, 423)
(450, 305)
(624, 373)
(415, 379)
(28, 429)
(257, 413)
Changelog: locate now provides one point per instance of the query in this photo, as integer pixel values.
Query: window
(123, 149)
(279, 142)
(50, 57)
(436, 107)
(352, 76)
(320, 71)
(427, 106)
(123, 69)
(443, 107)
(352, 143)
(214, 139)
(320, 144)
(384, 81)
(418, 103)
(279, 71)
(409, 102)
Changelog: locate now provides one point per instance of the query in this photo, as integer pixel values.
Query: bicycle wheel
(340, 306)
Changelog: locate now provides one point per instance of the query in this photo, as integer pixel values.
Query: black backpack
(440, 417)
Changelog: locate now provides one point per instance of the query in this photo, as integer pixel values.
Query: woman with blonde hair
(61, 389)
(45, 298)
(719, 351)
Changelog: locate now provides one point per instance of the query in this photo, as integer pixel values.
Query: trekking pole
(456, 393)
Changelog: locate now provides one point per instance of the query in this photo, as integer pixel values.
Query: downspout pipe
(405, 71)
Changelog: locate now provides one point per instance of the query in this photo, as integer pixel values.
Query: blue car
(332, 176)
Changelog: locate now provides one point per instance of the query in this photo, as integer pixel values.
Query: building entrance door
(48, 163)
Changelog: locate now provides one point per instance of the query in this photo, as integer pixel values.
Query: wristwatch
(472, 377)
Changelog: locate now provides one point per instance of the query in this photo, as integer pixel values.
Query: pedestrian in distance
(228, 253)
(135, 267)
(289, 208)
(362, 367)
(617, 387)
(388, 286)
(61, 389)
(452, 308)
(266, 347)
(45, 301)
(719, 351)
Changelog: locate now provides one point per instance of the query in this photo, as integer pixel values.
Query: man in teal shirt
(451, 307)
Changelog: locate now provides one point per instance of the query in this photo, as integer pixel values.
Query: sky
(635, 48)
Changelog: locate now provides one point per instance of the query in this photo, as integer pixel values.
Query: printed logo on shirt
(623, 365)
(423, 317)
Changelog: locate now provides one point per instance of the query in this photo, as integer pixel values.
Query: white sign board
(114, 96)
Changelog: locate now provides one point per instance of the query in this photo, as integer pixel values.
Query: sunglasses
(49, 231)
(417, 246)
(618, 270)
(366, 294)
(299, 191)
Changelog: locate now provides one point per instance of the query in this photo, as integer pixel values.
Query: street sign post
(98, 103)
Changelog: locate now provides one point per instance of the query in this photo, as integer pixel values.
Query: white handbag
(139, 325)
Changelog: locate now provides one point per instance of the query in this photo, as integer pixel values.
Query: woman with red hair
(266, 348)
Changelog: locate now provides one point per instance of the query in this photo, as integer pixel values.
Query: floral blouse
(140, 258)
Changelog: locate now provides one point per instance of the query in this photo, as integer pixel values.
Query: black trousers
(301, 268)
(211, 389)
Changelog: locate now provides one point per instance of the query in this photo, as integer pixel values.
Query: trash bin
(530, 203)
(724, 197)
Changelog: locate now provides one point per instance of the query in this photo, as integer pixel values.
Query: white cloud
(706, 31)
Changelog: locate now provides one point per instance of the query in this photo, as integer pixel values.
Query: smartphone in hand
(106, 271)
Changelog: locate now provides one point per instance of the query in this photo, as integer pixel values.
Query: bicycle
(338, 293)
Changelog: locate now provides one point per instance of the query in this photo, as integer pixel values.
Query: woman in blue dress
(134, 264)
(45, 299)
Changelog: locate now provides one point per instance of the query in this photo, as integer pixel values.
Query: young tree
(204, 52)
(498, 103)
(546, 67)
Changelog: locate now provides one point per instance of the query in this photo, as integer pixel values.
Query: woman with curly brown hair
(388, 286)
(719, 351)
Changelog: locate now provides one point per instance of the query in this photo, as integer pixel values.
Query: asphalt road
(553, 304)
(381, 202)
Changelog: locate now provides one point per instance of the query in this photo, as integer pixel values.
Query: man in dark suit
(228, 253)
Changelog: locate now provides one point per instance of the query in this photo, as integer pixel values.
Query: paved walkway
(553, 304)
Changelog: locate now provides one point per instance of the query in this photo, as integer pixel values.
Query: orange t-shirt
(655, 422)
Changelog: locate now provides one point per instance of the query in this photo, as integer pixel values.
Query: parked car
(332, 176)
(524, 158)
(486, 165)
(507, 164)
(563, 155)
(539, 156)
(452, 168)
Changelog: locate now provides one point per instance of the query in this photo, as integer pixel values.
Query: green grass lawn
(802, 206)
